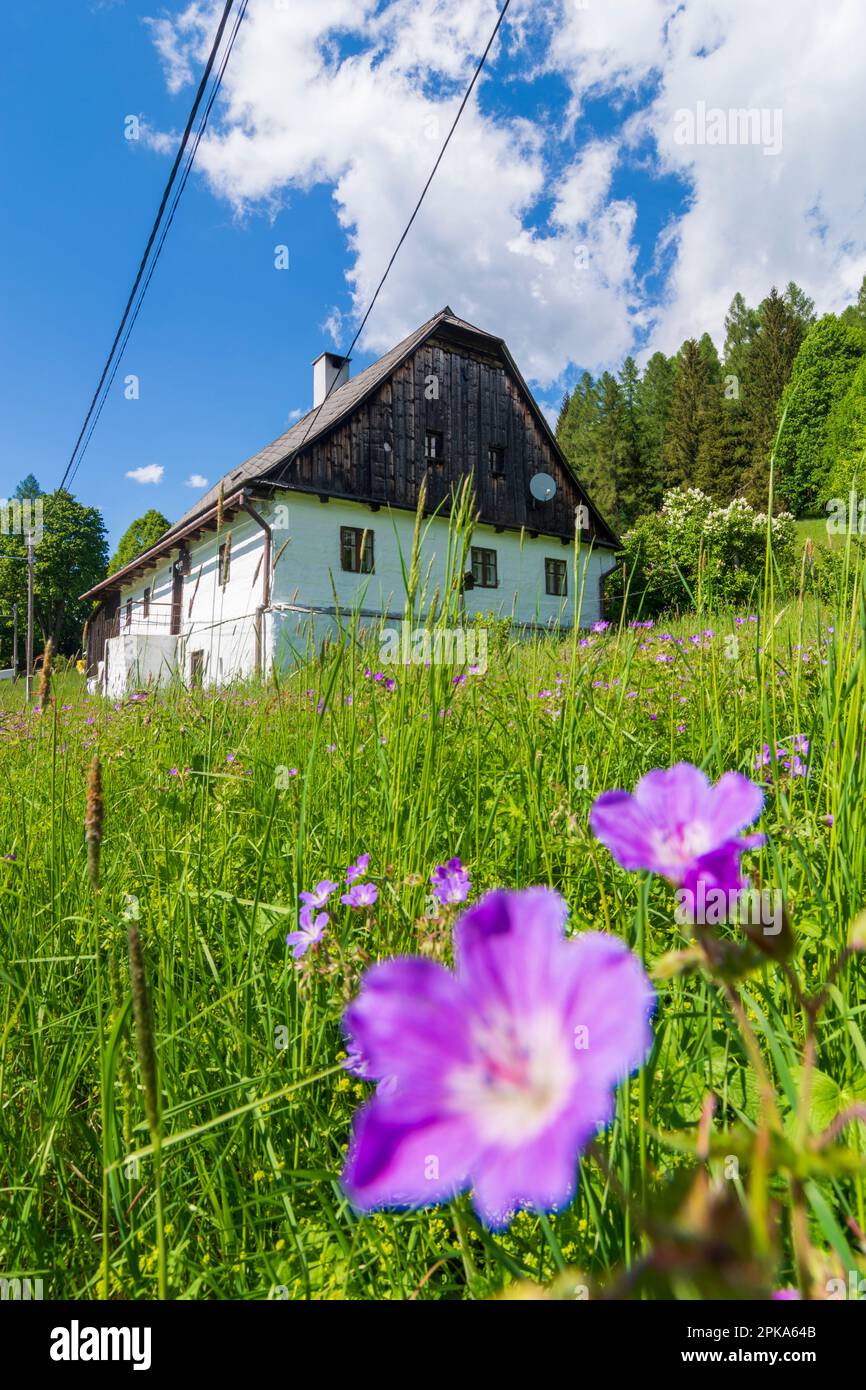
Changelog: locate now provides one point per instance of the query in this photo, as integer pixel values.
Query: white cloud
(752, 219)
(149, 473)
(185, 41)
(369, 121)
(371, 125)
(196, 480)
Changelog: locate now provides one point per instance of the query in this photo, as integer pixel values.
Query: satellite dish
(542, 487)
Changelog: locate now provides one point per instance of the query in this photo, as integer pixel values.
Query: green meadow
(734, 1164)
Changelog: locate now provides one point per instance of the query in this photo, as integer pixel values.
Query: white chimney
(330, 372)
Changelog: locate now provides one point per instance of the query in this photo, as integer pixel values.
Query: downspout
(266, 580)
(605, 574)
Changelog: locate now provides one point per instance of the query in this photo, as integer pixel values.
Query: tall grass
(229, 1187)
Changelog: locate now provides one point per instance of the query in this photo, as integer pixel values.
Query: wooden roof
(270, 465)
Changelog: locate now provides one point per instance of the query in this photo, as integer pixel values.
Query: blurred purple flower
(356, 1063)
(310, 932)
(320, 894)
(497, 1076)
(358, 869)
(678, 825)
(361, 895)
(451, 883)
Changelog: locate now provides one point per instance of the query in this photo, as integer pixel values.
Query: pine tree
(610, 484)
(28, 488)
(633, 499)
(741, 325)
(575, 428)
(652, 409)
(684, 428)
(801, 306)
(768, 365)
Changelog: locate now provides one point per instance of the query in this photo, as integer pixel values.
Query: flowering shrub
(695, 550)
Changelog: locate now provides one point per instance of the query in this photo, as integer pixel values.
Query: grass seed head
(93, 820)
(44, 697)
(143, 1030)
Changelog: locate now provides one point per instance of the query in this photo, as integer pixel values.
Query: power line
(467, 94)
(182, 185)
(114, 367)
(72, 465)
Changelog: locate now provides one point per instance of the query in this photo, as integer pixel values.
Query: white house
(315, 530)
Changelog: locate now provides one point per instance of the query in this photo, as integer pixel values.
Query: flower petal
(543, 1173)
(409, 1020)
(622, 826)
(611, 998)
(673, 796)
(506, 949)
(734, 802)
(407, 1164)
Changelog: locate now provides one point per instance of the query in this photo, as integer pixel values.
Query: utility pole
(15, 641)
(31, 558)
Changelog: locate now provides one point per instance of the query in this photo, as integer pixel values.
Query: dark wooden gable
(469, 394)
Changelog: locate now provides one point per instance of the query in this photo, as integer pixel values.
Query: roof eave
(233, 503)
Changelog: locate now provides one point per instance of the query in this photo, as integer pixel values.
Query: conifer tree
(652, 408)
(768, 365)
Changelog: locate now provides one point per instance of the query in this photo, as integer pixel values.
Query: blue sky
(319, 145)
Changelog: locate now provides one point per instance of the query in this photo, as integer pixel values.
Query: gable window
(356, 550)
(484, 568)
(556, 577)
(225, 561)
(434, 446)
(496, 460)
(146, 605)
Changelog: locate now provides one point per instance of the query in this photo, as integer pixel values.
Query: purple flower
(451, 883)
(355, 1063)
(496, 1076)
(358, 869)
(678, 825)
(320, 894)
(360, 895)
(601, 626)
(310, 932)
